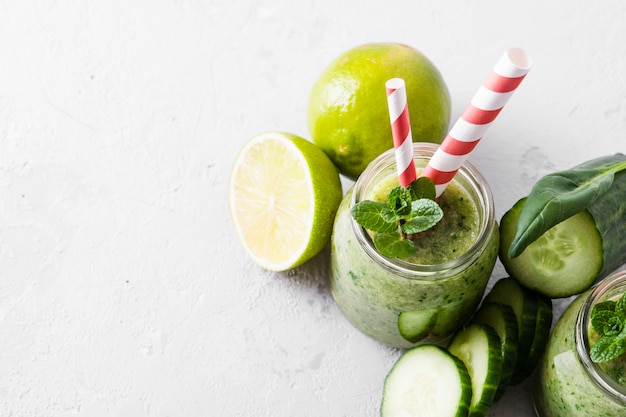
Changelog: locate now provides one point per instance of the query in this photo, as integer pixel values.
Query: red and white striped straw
(401, 130)
(471, 126)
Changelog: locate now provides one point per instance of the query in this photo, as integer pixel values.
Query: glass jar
(402, 303)
(568, 383)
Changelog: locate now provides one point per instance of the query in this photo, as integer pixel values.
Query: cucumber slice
(564, 261)
(503, 320)
(427, 381)
(524, 304)
(479, 348)
(540, 339)
(416, 325)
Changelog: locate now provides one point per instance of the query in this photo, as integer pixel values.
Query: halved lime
(284, 194)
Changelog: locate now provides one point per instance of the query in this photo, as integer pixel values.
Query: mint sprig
(608, 319)
(408, 211)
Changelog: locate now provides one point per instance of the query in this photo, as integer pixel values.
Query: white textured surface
(123, 291)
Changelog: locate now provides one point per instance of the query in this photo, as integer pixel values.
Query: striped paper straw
(471, 126)
(401, 130)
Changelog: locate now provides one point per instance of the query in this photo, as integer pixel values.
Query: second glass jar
(568, 383)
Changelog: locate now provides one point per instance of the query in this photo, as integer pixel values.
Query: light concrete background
(123, 290)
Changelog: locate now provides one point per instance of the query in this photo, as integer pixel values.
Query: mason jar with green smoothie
(583, 373)
(426, 296)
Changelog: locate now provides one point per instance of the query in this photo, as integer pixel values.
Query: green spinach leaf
(560, 195)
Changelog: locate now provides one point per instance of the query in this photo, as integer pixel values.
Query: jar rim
(472, 176)
(597, 375)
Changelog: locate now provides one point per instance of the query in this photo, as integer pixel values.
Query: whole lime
(347, 111)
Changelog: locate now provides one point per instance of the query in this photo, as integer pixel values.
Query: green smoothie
(567, 383)
(423, 299)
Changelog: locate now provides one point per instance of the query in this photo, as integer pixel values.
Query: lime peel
(347, 111)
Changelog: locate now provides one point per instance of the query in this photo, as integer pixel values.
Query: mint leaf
(390, 216)
(613, 326)
(423, 187)
(425, 214)
(603, 306)
(413, 209)
(369, 215)
(620, 307)
(608, 318)
(600, 319)
(393, 245)
(399, 201)
(608, 347)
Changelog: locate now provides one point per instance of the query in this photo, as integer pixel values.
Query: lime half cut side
(284, 193)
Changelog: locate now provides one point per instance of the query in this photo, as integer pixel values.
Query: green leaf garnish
(423, 187)
(613, 326)
(393, 245)
(600, 320)
(602, 306)
(369, 215)
(620, 306)
(608, 347)
(608, 319)
(399, 201)
(425, 214)
(560, 195)
(408, 211)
